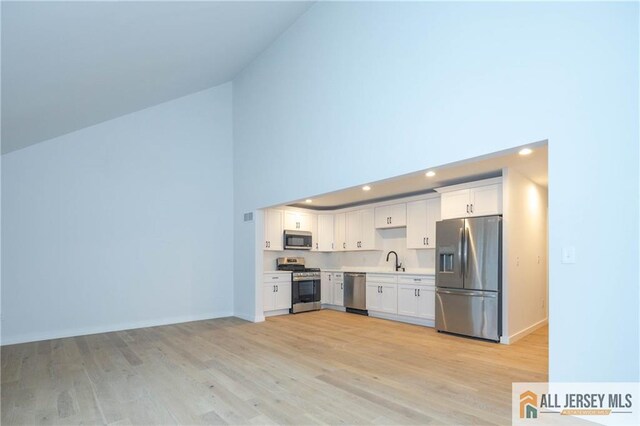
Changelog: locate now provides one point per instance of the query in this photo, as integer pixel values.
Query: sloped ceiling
(68, 65)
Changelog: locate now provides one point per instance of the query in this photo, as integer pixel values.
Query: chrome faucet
(398, 265)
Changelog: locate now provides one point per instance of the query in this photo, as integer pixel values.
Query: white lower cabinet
(276, 291)
(382, 293)
(326, 288)
(338, 289)
(416, 301)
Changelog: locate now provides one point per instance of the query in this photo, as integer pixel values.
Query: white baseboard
(520, 334)
(249, 317)
(83, 331)
(276, 313)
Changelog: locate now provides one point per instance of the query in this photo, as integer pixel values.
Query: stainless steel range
(305, 284)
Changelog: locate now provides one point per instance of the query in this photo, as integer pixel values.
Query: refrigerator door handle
(468, 293)
(466, 252)
(460, 244)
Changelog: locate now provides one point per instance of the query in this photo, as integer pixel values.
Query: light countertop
(414, 271)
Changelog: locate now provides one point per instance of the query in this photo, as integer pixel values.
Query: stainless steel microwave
(297, 240)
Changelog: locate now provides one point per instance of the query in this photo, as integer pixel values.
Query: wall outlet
(569, 254)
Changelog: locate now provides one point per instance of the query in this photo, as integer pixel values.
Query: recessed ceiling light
(430, 173)
(525, 151)
(366, 188)
(308, 200)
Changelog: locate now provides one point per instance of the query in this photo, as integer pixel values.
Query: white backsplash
(390, 239)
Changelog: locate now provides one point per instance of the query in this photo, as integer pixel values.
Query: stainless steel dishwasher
(355, 292)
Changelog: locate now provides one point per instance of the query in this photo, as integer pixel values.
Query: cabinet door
(339, 228)
(417, 218)
(433, 216)
(426, 302)
(367, 230)
(408, 300)
(455, 204)
(269, 296)
(382, 217)
(338, 293)
(325, 232)
(398, 215)
(486, 200)
(389, 298)
(326, 288)
(283, 296)
(313, 220)
(297, 221)
(273, 229)
(393, 216)
(373, 297)
(353, 230)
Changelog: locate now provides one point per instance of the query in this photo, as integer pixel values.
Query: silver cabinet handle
(471, 206)
(341, 286)
(418, 292)
(274, 278)
(424, 241)
(344, 245)
(415, 292)
(427, 240)
(274, 289)
(467, 208)
(418, 280)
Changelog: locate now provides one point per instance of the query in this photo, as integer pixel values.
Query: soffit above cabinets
(533, 166)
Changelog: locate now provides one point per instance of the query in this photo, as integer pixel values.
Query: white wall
(359, 92)
(123, 224)
(525, 248)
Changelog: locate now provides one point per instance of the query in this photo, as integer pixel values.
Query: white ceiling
(533, 166)
(68, 65)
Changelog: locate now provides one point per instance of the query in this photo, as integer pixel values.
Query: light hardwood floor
(316, 367)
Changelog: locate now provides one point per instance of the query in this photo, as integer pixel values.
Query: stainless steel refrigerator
(469, 276)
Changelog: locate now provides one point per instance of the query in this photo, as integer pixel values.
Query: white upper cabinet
(273, 232)
(421, 223)
(392, 216)
(339, 232)
(455, 204)
(476, 200)
(297, 221)
(486, 200)
(324, 238)
(368, 236)
(360, 230)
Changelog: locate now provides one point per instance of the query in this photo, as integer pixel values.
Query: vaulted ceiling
(68, 65)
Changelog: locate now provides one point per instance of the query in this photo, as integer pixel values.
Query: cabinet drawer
(276, 278)
(417, 280)
(382, 278)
